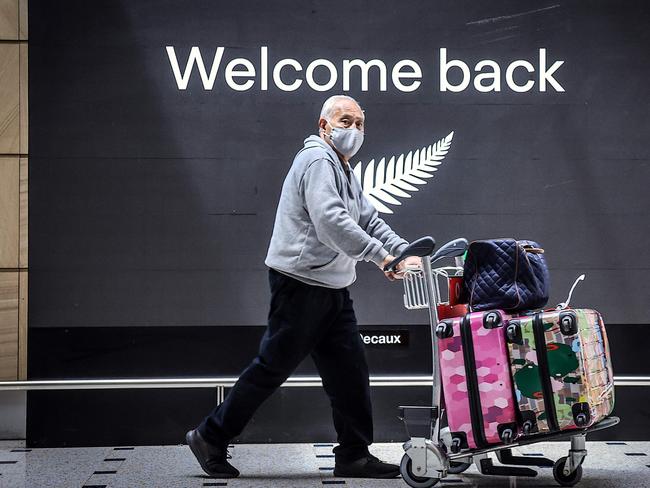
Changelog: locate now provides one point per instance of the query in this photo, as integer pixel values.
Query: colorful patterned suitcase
(567, 383)
(477, 386)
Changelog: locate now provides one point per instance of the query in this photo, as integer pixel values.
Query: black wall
(162, 416)
(152, 207)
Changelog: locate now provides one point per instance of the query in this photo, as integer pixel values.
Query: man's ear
(322, 123)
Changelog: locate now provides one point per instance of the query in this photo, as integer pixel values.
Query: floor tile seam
(323, 448)
(106, 455)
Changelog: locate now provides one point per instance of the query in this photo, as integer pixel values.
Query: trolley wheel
(456, 467)
(561, 478)
(406, 470)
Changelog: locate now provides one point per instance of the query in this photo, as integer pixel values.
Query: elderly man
(323, 226)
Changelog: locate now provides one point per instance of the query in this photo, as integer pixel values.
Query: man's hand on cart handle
(393, 266)
(398, 274)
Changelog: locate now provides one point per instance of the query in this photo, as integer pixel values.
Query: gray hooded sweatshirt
(324, 224)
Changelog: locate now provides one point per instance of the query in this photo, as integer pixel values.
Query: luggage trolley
(429, 455)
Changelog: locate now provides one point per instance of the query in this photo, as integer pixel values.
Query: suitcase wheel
(513, 332)
(568, 323)
(581, 414)
(444, 330)
(581, 419)
(455, 445)
(491, 320)
(507, 436)
(528, 422)
(527, 427)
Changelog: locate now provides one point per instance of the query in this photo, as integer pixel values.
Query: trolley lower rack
(424, 463)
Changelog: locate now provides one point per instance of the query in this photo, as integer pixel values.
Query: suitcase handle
(532, 249)
(564, 305)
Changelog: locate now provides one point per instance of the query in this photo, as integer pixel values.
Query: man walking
(323, 226)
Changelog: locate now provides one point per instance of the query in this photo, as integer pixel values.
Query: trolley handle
(424, 246)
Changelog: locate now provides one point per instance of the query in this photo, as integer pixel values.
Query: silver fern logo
(384, 182)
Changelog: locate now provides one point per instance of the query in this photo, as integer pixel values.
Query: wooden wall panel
(23, 220)
(22, 324)
(8, 325)
(9, 23)
(23, 104)
(13, 189)
(9, 98)
(22, 20)
(9, 211)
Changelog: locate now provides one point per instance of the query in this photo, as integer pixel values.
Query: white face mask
(346, 140)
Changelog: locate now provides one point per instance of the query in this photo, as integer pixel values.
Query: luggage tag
(564, 305)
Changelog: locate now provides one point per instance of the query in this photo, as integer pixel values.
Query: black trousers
(304, 319)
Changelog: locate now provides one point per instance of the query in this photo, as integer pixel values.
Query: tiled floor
(608, 465)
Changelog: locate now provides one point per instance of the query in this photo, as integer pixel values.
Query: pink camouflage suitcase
(476, 380)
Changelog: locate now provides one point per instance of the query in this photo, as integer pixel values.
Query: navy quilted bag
(505, 274)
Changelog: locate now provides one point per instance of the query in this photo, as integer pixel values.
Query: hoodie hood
(310, 140)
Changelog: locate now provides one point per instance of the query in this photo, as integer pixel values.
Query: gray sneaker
(213, 459)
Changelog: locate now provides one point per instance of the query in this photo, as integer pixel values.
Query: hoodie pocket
(315, 255)
(320, 266)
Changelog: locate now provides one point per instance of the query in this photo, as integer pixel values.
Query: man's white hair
(330, 104)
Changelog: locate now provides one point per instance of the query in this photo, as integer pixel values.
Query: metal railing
(228, 381)
(223, 382)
